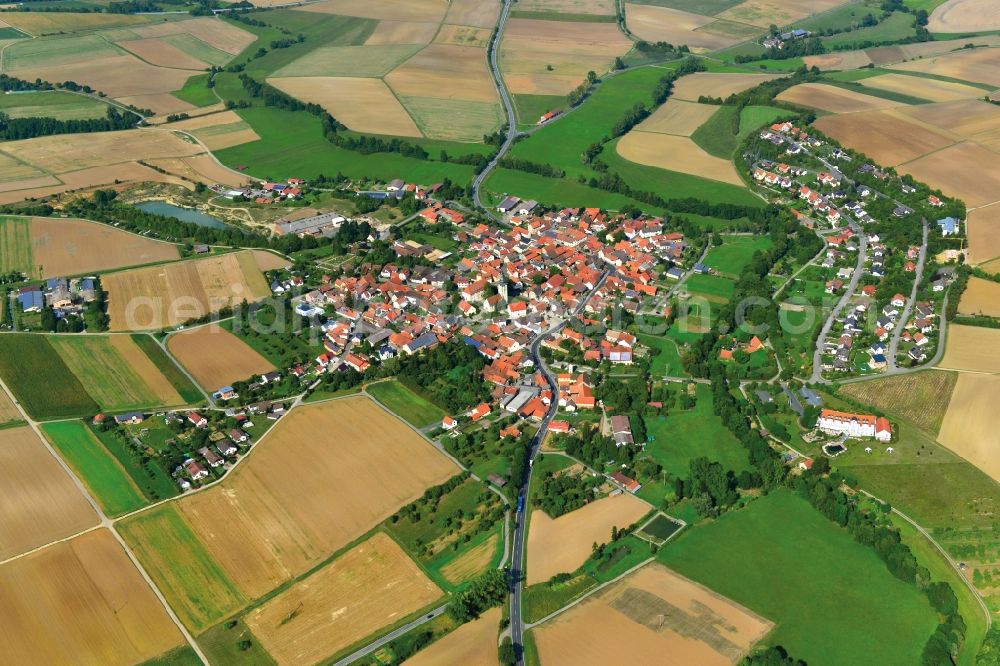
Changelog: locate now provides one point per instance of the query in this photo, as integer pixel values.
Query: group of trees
(528, 166)
(562, 493)
(450, 375)
(483, 593)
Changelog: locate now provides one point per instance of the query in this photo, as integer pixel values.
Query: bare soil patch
(364, 105)
(966, 170)
(980, 65)
(326, 475)
(677, 117)
(972, 348)
(73, 247)
(215, 357)
(402, 32)
(969, 427)
(81, 601)
(888, 137)
(448, 72)
(981, 297)
(563, 544)
(663, 24)
(983, 228)
(158, 52)
(651, 613)
(676, 153)
(713, 84)
(932, 89)
(833, 99)
(411, 10)
(39, 502)
(472, 644)
(163, 296)
(368, 587)
(965, 16)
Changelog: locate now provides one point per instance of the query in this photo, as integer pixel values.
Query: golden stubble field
(763, 13)
(472, 644)
(73, 247)
(81, 602)
(370, 586)
(39, 502)
(649, 614)
(167, 295)
(563, 544)
(326, 475)
(663, 24)
(888, 137)
(676, 153)
(969, 428)
(965, 16)
(983, 227)
(965, 170)
(215, 357)
(972, 348)
(930, 89)
(981, 65)
(980, 297)
(677, 117)
(833, 99)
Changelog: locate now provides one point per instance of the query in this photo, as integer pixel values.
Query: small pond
(834, 449)
(182, 214)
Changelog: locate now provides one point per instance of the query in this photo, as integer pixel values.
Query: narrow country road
(508, 108)
(391, 636)
(897, 334)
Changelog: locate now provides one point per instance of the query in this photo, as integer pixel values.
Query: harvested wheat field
(269, 261)
(215, 357)
(13, 171)
(966, 171)
(447, 72)
(162, 103)
(72, 247)
(226, 135)
(211, 31)
(402, 32)
(932, 89)
(81, 602)
(37, 24)
(983, 228)
(202, 168)
(571, 48)
(472, 644)
(591, 7)
(981, 297)
(965, 16)
(563, 544)
(116, 75)
(39, 502)
(838, 60)
(651, 613)
(471, 563)
(463, 35)
(712, 84)
(662, 24)
(763, 13)
(115, 175)
(934, 47)
(972, 348)
(325, 475)
(158, 52)
(364, 105)
(979, 65)
(476, 13)
(833, 99)
(370, 586)
(163, 296)
(676, 153)
(888, 137)
(677, 117)
(965, 118)
(969, 427)
(411, 10)
(349, 61)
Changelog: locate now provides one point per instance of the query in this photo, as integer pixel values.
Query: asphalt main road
(905, 317)
(520, 517)
(508, 108)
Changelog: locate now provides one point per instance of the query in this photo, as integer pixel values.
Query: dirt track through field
(651, 613)
(39, 502)
(370, 586)
(563, 544)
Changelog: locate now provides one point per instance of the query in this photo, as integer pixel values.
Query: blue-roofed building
(472, 343)
(949, 226)
(799, 32)
(31, 301)
(702, 268)
(423, 342)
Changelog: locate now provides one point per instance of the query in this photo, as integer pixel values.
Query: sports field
(116, 372)
(106, 480)
(972, 348)
(561, 545)
(353, 462)
(39, 502)
(780, 537)
(651, 613)
(81, 601)
(164, 296)
(193, 583)
(215, 357)
(406, 404)
(471, 644)
(370, 586)
(40, 380)
(968, 427)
